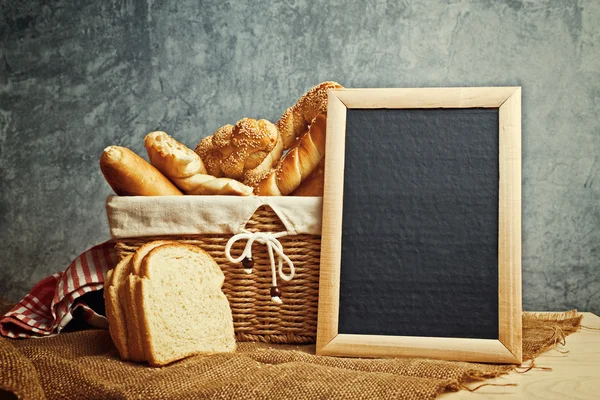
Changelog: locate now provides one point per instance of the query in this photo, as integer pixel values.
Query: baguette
(297, 164)
(185, 168)
(130, 175)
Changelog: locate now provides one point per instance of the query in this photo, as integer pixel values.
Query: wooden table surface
(574, 375)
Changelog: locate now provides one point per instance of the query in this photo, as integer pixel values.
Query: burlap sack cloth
(86, 365)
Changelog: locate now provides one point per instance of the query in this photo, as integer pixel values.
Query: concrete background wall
(76, 77)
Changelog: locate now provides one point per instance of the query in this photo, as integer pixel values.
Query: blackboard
(420, 223)
(421, 240)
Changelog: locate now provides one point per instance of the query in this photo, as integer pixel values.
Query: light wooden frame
(507, 348)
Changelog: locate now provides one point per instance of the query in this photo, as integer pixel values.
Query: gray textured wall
(76, 77)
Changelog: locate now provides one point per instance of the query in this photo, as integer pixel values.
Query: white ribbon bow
(273, 245)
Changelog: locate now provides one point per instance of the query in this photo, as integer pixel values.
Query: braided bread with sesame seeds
(242, 151)
(186, 170)
(297, 164)
(210, 155)
(295, 120)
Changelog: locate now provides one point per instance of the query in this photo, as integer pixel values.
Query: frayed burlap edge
(552, 316)
(475, 376)
(567, 322)
(570, 322)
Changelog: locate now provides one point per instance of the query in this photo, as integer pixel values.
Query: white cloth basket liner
(140, 216)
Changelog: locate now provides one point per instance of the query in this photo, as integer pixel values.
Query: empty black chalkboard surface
(421, 224)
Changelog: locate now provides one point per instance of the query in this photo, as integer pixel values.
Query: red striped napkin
(52, 302)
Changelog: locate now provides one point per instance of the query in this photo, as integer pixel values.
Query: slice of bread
(115, 313)
(181, 306)
(139, 255)
(127, 296)
(127, 300)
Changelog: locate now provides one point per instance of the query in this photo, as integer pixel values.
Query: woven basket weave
(255, 317)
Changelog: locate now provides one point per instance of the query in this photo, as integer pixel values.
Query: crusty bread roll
(295, 120)
(313, 185)
(297, 164)
(185, 168)
(183, 310)
(130, 175)
(241, 151)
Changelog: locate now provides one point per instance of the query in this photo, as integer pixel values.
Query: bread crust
(297, 164)
(185, 168)
(242, 151)
(130, 175)
(127, 299)
(249, 144)
(314, 184)
(136, 284)
(210, 155)
(296, 119)
(115, 312)
(144, 269)
(172, 158)
(138, 256)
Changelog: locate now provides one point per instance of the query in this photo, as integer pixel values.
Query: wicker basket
(255, 316)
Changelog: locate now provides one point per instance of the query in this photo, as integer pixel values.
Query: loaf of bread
(314, 184)
(183, 310)
(210, 155)
(241, 151)
(302, 128)
(185, 168)
(295, 120)
(165, 303)
(297, 164)
(130, 175)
